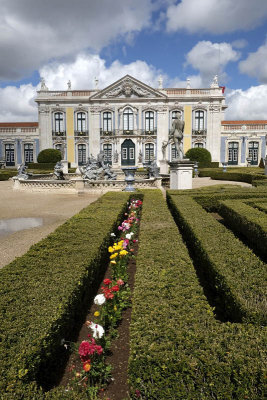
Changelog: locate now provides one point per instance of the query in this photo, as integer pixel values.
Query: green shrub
(42, 166)
(178, 350)
(203, 156)
(232, 176)
(49, 156)
(5, 175)
(44, 295)
(248, 221)
(260, 182)
(227, 264)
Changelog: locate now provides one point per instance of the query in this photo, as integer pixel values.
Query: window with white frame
(59, 122)
(233, 153)
(149, 121)
(28, 153)
(128, 119)
(81, 121)
(199, 120)
(81, 154)
(149, 152)
(107, 125)
(174, 153)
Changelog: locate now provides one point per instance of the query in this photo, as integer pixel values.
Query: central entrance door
(128, 152)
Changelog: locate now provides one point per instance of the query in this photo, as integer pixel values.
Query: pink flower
(120, 282)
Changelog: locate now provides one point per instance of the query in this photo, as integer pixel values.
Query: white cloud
(255, 64)
(247, 104)
(17, 104)
(239, 43)
(32, 32)
(211, 59)
(86, 67)
(216, 16)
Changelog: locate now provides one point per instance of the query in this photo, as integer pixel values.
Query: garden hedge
(231, 268)
(49, 156)
(261, 206)
(232, 176)
(248, 221)
(43, 295)
(5, 174)
(178, 349)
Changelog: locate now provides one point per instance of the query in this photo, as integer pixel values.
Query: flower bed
(230, 267)
(44, 292)
(178, 349)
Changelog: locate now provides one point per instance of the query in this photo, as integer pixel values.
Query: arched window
(28, 153)
(128, 120)
(107, 125)
(59, 122)
(81, 122)
(199, 145)
(199, 120)
(149, 152)
(253, 152)
(233, 153)
(149, 121)
(107, 148)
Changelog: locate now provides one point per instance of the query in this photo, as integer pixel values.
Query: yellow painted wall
(70, 134)
(187, 127)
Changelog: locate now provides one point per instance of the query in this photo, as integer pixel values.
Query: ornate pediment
(127, 87)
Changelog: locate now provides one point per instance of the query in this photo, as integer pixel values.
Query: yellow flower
(110, 249)
(114, 255)
(115, 308)
(96, 314)
(123, 252)
(118, 247)
(113, 262)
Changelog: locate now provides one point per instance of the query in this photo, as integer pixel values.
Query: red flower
(107, 281)
(115, 288)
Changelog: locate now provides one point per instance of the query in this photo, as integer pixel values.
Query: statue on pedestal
(22, 173)
(58, 171)
(177, 133)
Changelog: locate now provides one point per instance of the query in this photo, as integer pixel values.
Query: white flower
(129, 235)
(99, 299)
(112, 235)
(98, 330)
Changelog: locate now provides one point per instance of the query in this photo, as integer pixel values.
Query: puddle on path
(12, 225)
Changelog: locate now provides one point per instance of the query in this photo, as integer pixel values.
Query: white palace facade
(130, 122)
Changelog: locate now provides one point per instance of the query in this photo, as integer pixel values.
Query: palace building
(131, 122)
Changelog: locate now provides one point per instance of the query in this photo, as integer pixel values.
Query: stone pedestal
(181, 174)
(65, 166)
(129, 178)
(164, 167)
(79, 185)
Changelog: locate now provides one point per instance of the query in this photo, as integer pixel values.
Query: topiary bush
(203, 156)
(49, 156)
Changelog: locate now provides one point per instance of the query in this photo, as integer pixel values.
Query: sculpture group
(96, 169)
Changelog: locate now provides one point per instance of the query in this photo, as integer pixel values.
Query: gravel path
(54, 209)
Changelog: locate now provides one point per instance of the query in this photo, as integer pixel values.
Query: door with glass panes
(81, 154)
(128, 152)
(10, 155)
(233, 153)
(253, 152)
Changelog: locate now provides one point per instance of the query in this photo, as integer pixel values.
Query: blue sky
(178, 39)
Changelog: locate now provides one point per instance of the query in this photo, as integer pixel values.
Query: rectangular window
(124, 154)
(131, 153)
(107, 122)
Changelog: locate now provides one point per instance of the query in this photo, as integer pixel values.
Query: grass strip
(178, 349)
(43, 293)
(233, 270)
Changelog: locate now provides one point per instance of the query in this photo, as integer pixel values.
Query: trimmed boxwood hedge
(231, 176)
(5, 175)
(178, 349)
(232, 269)
(44, 293)
(248, 221)
(261, 206)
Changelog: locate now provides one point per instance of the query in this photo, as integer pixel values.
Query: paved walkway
(54, 209)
